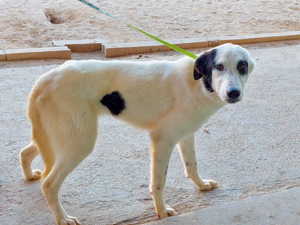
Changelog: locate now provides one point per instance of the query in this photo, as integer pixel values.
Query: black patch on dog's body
(242, 67)
(114, 102)
(203, 68)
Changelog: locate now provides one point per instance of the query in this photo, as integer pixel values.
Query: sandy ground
(251, 149)
(25, 23)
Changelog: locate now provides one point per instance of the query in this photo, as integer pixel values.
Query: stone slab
(257, 38)
(120, 49)
(2, 55)
(293, 35)
(212, 42)
(38, 53)
(81, 45)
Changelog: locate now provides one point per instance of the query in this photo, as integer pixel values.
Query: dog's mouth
(232, 101)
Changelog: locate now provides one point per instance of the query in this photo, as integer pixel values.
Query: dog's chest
(193, 120)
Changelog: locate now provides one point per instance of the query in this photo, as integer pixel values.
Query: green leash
(176, 48)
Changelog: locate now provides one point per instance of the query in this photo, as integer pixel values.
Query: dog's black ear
(204, 64)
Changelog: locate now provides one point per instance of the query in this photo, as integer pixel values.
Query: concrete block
(190, 43)
(266, 37)
(292, 35)
(257, 38)
(81, 45)
(2, 55)
(38, 53)
(120, 49)
(234, 40)
(213, 42)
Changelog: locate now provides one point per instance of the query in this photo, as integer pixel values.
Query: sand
(26, 24)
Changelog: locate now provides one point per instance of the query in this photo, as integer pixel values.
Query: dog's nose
(233, 94)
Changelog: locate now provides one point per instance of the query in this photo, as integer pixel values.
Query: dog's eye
(242, 67)
(220, 67)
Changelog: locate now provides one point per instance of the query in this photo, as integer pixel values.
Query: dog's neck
(197, 93)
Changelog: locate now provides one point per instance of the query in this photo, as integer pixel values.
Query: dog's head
(224, 70)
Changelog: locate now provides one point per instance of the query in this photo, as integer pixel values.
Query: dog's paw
(208, 185)
(36, 174)
(168, 211)
(68, 220)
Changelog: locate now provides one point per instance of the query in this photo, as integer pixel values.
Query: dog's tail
(39, 135)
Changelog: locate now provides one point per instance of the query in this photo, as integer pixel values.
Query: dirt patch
(26, 23)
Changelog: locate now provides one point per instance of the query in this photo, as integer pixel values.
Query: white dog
(171, 99)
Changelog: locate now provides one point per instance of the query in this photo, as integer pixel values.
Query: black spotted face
(224, 71)
(203, 68)
(242, 67)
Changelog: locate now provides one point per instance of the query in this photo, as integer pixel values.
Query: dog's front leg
(187, 152)
(160, 157)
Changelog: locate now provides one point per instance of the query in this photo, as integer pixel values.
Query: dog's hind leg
(52, 185)
(27, 155)
(187, 152)
(72, 152)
